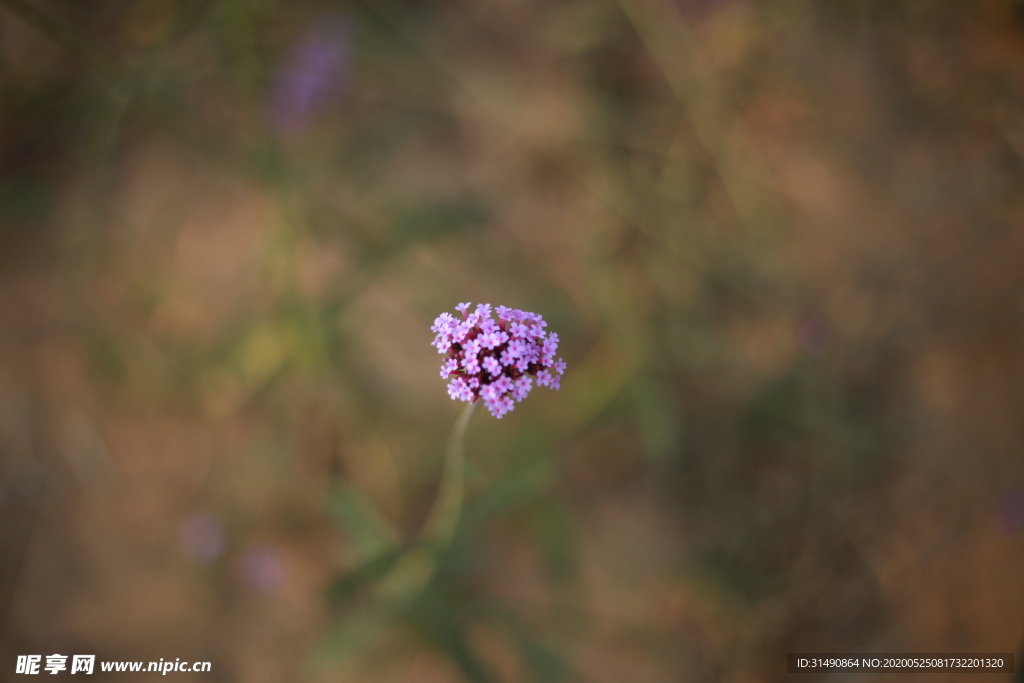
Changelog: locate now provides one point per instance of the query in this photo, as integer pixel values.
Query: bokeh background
(781, 242)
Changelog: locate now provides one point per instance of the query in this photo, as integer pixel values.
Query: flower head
(495, 360)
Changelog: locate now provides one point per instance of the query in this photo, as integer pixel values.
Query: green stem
(417, 567)
(444, 517)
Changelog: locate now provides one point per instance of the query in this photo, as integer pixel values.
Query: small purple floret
(261, 569)
(203, 536)
(496, 360)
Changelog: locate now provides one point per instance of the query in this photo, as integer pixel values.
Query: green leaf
(438, 623)
(346, 586)
(370, 531)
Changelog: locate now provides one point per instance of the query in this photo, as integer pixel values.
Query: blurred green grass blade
(438, 623)
(543, 661)
(26, 200)
(429, 222)
(159, 111)
(656, 417)
(677, 51)
(356, 633)
(377, 567)
(550, 523)
(371, 532)
(440, 218)
(67, 38)
(510, 492)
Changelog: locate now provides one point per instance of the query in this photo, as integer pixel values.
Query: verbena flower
(496, 359)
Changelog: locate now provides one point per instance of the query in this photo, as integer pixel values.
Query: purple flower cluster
(496, 360)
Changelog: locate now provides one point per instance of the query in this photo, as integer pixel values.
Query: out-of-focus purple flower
(495, 360)
(261, 569)
(315, 70)
(202, 534)
(1010, 511)
(813, 335)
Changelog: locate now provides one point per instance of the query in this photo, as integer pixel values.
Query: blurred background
(781, 243)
